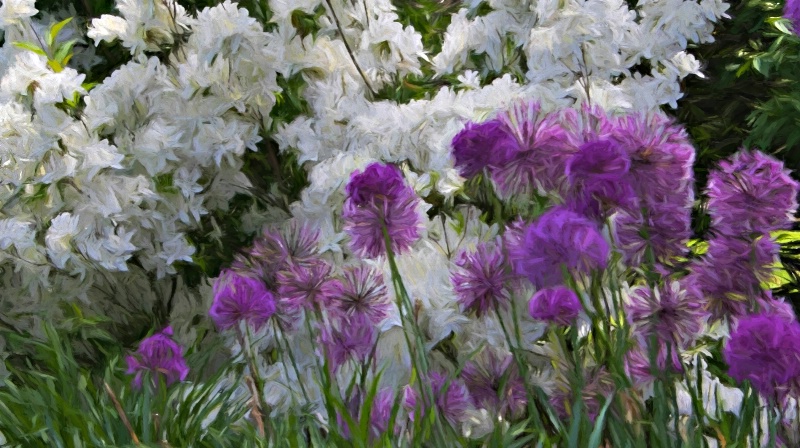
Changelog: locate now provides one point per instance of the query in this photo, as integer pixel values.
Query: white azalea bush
(371, 324)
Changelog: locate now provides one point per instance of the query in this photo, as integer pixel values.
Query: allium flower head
(480, 145)
(731, 272)
(664, 229)
(276, 249)
(361, 292)
(481, 279)
(158, 355)
(670, 312)
(557, 304)
(559, 239)
(452, 397)
(640, 370)
(352, 338)
(661, 157)
(382, 411)
(598, 160)
(494, 383)
(240, 298)
(540, 156)
(751, 193)
(304, 286)
(764, 349)
(597, 386)
(376, 197)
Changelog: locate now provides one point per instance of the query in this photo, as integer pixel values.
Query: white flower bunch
(115, 186)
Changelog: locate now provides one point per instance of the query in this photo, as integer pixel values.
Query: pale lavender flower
(481, 279)
(451, 398)
(352, 337)
(751, 193)
(306, 286)
(276, 249)
(640, 369)
(382, 411)
(559, 239)
(558, 304)
(480, 145)
(765, 350)
(670, 312)
(158, 355)
(597, 386)
(362, 292)
(240, 298)
(379, 197)
(494, 383)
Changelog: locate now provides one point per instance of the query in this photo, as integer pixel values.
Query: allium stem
(257, 388)
(121, 413)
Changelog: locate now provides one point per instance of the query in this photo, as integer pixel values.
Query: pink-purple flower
(481, 279)
(751, 193)
(158, 355)
(361, 292)
(559, 240)
(239, 298)
(494, 383)
(765, 350)
(378, 197)
(350, 338)
(557, 304)
(480, 145)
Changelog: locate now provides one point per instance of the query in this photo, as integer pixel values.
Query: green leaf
(52, 33)
(30, 46)
(64, 52)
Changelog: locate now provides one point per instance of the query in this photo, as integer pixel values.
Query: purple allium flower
(381, 411)
(376, 197)
(540, 157)
(778, 306)
(731, 272)
(671, 313)
(751, 193)
(559, 239)
(557, 304)
(791, 11)
(241, 298)
(639, 368)
(276, 249)
(353, 337)
(361, 293)
(482, 280)
(665, 229)
(304, 286)
(597, 386)
(598, 160)
(764, 349)
(158, 354)
(494, 383)
(452, 397)
(661, 157)
(480, 145)
(600, 199)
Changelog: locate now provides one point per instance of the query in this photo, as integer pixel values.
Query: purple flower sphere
(558, 304)
(362, 292)
(671, 313)
(764, 349)
(559, 239)
(751, 193)
(598, 160)
(240, 298)
(353, 338)
(494, 383)
(158, 355)
(481, 282)
(379, 197)
(481, 145)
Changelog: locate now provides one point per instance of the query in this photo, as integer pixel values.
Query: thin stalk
(349, 50)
